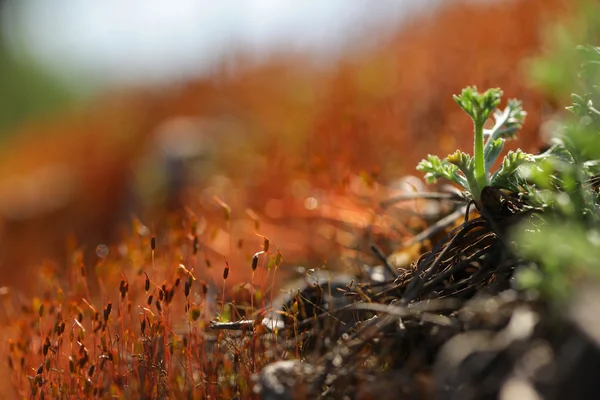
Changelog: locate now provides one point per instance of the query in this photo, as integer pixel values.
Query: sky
(159, 40)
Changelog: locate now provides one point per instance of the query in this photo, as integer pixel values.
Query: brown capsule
(254, 262)
(204, 288)
(41, 310)
(153, 243)
(143, 326)
(40, 369)
(46, 346)
(83, 360)
(266, 245)
(150, 300)
(158, 306)
(91, 370)
(177, 281)
(107, 311)
(161, 295)
(187, 287)
(123, 288)
(170, 295)
(195, 314)
(226, 270)
(147, 284)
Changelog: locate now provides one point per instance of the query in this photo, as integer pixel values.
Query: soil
(452, 326)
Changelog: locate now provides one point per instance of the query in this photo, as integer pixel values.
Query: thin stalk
(480, 172)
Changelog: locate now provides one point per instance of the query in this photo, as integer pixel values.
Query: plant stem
(480, 172)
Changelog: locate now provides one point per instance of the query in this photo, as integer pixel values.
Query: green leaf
(435, 168)
(466, 165)
(489, 102)
(506, 176)
(513, 121)
(592, 168)
(465, 101)
(508, 123)
(479, 106)
(492, 150)
(567, 251)
(541, 173)
(556, 151)
(463, 161)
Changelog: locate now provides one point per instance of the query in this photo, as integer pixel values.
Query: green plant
(565, 244)
(473, 173)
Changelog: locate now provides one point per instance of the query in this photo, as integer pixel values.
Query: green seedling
(473, 172)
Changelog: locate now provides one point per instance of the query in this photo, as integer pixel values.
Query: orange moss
(375, 113)
(291, 131)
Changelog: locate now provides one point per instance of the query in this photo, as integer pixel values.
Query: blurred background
(112, 110)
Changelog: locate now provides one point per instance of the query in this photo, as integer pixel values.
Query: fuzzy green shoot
(473, 173)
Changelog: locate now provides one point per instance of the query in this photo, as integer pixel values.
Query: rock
(283, 380)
